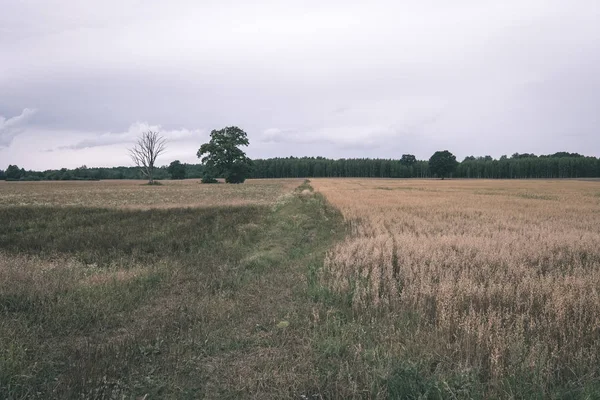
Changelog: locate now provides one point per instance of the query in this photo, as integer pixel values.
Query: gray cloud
(11, 127)
(132, 134)
(334, 78)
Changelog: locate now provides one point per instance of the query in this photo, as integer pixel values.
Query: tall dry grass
(503, 276)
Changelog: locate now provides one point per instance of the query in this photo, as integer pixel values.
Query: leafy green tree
(442, 163)
(408, 160)
(2, 176)
(177, 170)
(14, 173)
(222, 155)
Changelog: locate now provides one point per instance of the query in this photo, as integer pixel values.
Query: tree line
(320, 167)
(519, 166)
(14, 173)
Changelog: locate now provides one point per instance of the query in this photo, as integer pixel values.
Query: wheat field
(501, 277)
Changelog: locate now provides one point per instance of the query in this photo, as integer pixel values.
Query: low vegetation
(133, 194)
(407, 289)
(161, 303)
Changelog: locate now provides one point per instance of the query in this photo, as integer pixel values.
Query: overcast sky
(79, 79)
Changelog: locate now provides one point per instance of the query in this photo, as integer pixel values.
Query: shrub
(209, 179)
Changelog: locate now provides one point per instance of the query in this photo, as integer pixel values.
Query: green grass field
(164, 303)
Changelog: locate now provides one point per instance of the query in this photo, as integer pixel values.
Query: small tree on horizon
(13, 172)
(408, 160)
(442, 163)
(177, 170)
(145, 152)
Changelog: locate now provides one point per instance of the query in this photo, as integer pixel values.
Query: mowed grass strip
(136, 194)
(177, 303)
(103, 236)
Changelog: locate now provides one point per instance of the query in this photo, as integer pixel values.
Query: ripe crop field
(495, 282)
(337, 288)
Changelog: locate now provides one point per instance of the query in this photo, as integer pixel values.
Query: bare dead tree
(145, 152)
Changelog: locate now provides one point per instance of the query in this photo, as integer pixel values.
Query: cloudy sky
(80, 79)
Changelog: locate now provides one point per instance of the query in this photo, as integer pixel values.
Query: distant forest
(517, 166)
